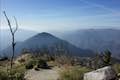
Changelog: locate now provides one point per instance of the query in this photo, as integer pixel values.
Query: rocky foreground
(106, 73)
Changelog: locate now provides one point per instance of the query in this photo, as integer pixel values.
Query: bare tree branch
(16, 25)
(13, 40)
(9, 24)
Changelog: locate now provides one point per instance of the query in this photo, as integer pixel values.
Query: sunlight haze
(45, 15)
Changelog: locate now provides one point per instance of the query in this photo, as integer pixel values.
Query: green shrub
(19, 76)
(117, 67)
(17, 72)
(3, 75)
(74, 73)
(39, 63)
(42, 64)
(30, 64)
(21, 60)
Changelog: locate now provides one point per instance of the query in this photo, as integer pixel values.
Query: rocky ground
(43, 74)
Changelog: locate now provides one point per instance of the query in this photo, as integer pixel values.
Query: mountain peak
(44, 34)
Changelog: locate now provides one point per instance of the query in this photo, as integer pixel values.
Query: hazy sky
(44, 15)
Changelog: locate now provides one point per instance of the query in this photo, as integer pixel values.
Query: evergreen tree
(107, 58)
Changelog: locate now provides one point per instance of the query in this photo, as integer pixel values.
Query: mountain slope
(21, 35)
(52, 43)
(95, 39)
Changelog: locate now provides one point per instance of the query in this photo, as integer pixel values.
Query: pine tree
(107, 58)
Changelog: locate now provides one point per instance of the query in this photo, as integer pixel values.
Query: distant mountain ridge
(95, 39)
(44, 39)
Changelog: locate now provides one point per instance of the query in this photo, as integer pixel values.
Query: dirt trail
(49, 74)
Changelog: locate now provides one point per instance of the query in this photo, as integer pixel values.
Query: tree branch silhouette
(13, 31)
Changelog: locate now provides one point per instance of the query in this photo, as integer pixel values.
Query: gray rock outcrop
(106, 73)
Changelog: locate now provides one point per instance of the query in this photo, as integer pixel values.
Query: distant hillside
(21, 35)
(95, 39)
(42, 40)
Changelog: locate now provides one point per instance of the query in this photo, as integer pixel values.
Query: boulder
(105, 73)
(119, 76)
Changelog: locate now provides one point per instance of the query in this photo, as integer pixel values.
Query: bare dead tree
(13, 31)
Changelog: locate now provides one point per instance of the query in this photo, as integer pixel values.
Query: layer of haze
(62, 15)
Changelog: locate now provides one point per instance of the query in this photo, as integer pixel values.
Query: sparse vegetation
(73, 73)
(30, 64)
(16, 74)
(42, 64)
(67, 70)
(107, 58)
(3, 75)
(117, 67)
